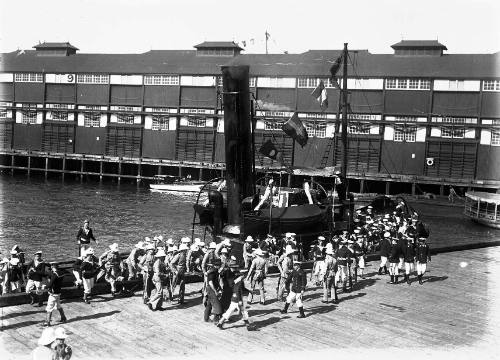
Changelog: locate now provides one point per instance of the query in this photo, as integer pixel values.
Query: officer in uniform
(396, 252)
(257, 274)
(298, 286)
(178, 267)
(343, 261)
(328, 275)
(423, 254)
(285, 265)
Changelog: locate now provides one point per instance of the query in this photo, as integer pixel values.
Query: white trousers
(295, 296)
(408, 267)
(421, 267)
(383, 261)
(239, 308)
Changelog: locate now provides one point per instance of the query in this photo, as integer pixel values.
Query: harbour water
(45, 215)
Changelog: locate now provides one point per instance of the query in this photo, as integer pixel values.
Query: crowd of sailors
(230, 280)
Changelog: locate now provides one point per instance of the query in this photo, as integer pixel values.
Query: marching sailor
(328, 275)
(257, 274)
(285, 266)
(423, 254)
(298, 286)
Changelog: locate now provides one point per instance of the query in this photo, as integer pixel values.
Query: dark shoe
(392, 279)
(63, 320)
(150, 306)
(220, 326)
(396, 279)
(262, 302)
(408, 280)
(301, 316)
(336, 301)
(283, 311)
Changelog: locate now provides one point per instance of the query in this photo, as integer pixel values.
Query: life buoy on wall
(430, 161)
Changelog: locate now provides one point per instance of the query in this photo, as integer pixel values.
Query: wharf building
(420, 119)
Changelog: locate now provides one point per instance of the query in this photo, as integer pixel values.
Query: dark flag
(269, 150)
(321, 95)
(295, 129)
(333, 71)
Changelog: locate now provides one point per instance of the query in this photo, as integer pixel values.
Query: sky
(136, 26)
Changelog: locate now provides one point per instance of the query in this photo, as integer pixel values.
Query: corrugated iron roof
(218, 44)
(312, 63)
(418, 44)
(55, 45)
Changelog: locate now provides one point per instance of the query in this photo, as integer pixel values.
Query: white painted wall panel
(389, 133)
(6, 77)
(485, 137)
(420, 136)
(436, 132)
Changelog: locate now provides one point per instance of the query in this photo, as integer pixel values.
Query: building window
(253, 82)
(60, 115)
(408, 84)
(316, 129)
(495, 137)
(28, 77)
(161, 80)
(123, 118)
(405, 133)
(312, 82)
(3, 113)
(273, 125)
(160, 123)
(196, 122)
(92, 79)
(390, 84)
(28, 116)
(91, 119)
(452, 132)
(361, 129)
(491, 85)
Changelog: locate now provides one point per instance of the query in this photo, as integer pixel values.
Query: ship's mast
(344, 116)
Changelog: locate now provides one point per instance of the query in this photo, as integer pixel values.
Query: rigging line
(280, 148)
(371, 111)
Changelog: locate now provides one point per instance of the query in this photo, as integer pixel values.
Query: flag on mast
(333, 71)
(321, 95)
(296, 129)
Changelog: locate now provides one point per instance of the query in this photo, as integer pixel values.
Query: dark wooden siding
(311, 155)
(126, 95)
(452, 158)
(456, 104)
(158, 96)
(158, 144)
(6, 92)
(220, 148)
(397, 158)
(29, 92)
(488, 162)
(92, 94)
(123, 141)
(405, 102)
(370, 102)
(276, 99)
(195, 144)
(490, 104)
(6, 127)
(90, 140)
(27, 137)
(58, 137)
(198, 97)
(363, 153)
(60, 93)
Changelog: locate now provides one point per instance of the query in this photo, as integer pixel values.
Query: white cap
(60, 333)
(183, 246)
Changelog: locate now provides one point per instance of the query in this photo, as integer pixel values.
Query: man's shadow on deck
(70, 320)
(434, 278)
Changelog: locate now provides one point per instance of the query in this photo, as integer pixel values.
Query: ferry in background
(483, 207)
(170, 183)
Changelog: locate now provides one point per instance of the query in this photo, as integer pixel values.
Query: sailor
(159, 274)
(178, 267)
(285, 266)
(133, 260)
(214, 292)
(385, 251)
(88, 269)
(328, 274)
(207, 258)
(396, 251)
(257, 274)
(316, 254)
(14, 276)
(54, 288)
(298, 286)
(409, 258)
(423, 255)
(63, 351)
(360, 248)
(238, 298)
(84, 236)
(36, 275)
(343, 262)
(248, 247)
(146, 266)
(114, 267)
(226, 276)
(402, 243)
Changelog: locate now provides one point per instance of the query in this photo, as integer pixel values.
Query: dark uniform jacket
(396, 252)
(343, 256)
(36, 272)
(84, 238)
(299, 281)
(55, 282)
(385, 247)
(423, 253)
(409, 252)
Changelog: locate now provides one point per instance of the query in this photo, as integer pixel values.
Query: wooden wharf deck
(455, 313)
